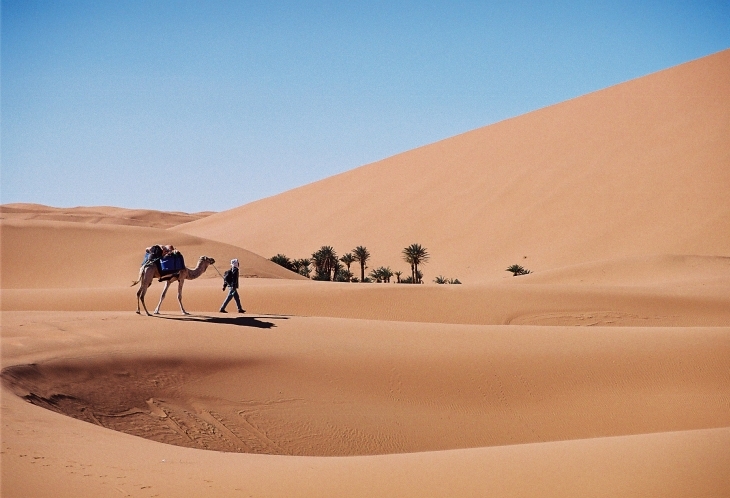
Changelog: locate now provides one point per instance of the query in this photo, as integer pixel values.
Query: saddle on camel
(168, 260)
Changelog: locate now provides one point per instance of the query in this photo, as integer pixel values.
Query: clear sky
(208, 105)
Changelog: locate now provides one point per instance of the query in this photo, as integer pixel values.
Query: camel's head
(206, 259)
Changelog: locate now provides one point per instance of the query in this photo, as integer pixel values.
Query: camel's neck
(198, 270)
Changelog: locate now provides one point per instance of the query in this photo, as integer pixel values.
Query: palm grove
(325, 265)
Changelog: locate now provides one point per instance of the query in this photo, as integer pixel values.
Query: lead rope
(216, 269)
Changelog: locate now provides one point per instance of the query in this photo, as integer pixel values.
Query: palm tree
(415, 254)
(397, 275)
(348, 259)
(330, 261)
(301, 266)
(325, 263)
(376, 275)
(282, 260)
(361, 254)
(318, 265)
(518, 270)
(382, 274)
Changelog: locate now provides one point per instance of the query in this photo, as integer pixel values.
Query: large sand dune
(606, 372)
(634, 170)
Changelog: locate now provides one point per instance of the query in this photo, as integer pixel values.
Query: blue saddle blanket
(172, 263)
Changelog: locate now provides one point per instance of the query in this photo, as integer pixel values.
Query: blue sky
(193, 106)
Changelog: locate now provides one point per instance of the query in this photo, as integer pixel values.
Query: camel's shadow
(241, 321)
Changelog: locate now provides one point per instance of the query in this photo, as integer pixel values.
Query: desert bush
(343, 275)
(443, 280)
(518, 270)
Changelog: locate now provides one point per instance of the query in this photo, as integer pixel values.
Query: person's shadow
(241, 321)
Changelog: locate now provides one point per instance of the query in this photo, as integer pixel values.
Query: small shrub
(443, 280)
(518, 270)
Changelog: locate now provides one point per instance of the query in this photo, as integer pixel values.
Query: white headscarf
(234, 263)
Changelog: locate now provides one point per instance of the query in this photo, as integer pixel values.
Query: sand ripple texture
(484, 386)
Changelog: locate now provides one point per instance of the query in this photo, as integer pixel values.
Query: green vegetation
(301, 266)
(382, 274)
(282, 260)
(443, 280)
(415, 255)
(325, 265)
(518, 270)
(361, 255)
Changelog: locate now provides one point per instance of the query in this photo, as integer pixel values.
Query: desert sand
(99, 214)
(605, 372)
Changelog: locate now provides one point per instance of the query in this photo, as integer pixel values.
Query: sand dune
(638, 169)
(98, 214)
(536, 304)
(273, 386)
(672, 271)
(324, 393)
(48, 254)
(616, 200)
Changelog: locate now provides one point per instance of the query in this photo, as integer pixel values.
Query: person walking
(230, 280)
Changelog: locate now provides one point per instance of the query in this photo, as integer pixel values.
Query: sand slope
(537, 304)
(638, 169)
(53, 254)
(98, 214)
(652, 404)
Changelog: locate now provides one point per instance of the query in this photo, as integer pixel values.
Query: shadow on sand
(241, 321)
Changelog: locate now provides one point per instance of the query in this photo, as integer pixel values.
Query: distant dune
(99, 214)
(604, 372)
(638, 169)
(56, 254)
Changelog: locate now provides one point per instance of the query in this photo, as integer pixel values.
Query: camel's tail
(139, 277)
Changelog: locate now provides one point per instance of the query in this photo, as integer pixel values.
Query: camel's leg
(162, 296)
(139, 291)
(179, 296)
(143, 286)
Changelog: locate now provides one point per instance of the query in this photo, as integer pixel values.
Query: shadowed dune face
(399, 397)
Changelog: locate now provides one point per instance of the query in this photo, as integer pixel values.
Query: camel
(147, 273)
